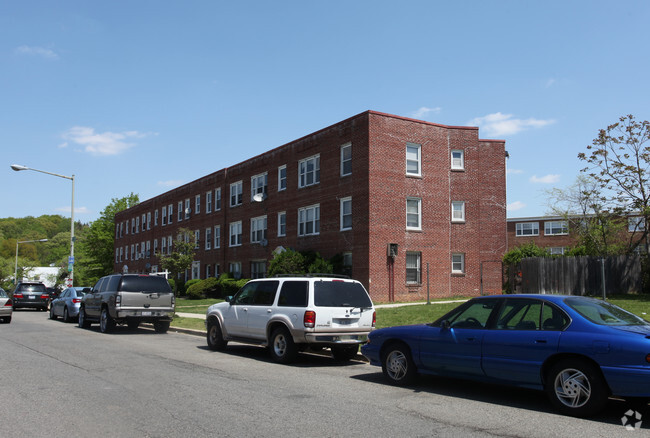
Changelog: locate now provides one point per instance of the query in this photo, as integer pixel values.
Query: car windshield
(3, 294)
(604, 313)
(340, 294)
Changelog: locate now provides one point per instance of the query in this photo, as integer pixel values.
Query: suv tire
(282, 348)
(82, 322)
(66, 315)
(161, 326)
(215, 336)
(106, 323)
(345, 352)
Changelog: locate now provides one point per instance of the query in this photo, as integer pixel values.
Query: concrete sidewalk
(379, 306)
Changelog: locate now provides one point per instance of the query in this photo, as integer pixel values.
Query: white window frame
(188, 210)
(155, 218)
(236, 193)
(144, 222)
(635, 224)
(282, 178)
(217, 199)
(197, 204)
(208, 238)
(417, 159)
(522, 228)
(148, 220)
(235, 269)
(137, 224)
(164, 216)
(170, 214)
(411, 213)
(196, 270)
(236, 234)
(208, 202)
(163, 246)
(258, 229)
(551, 228)
(217, 236)
(180, 211)
(197, 239)
(256, 272)
(259, 184)
(346, 159)
(458, 211)
(458, 263)
(345, 212)
(309, 217)
(556, 250)
(417, 268)
(459, 162)
(309, 177)
(282, 224)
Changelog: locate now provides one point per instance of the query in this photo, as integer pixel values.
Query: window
(169, 244)
(282, 223)
(235, 269)
(180, 211)
(217, 199)
(164, 215)
(458, 211)
(197, 204)
(458, 263)
(155, 218)
(208, 202)
(554, 228)
(282, 178)
(235, 233)
(347, 264)
(126, 252)
(122, 229)
(208, 238)
(309, 171)
(309, 220)
(188, 210)
(413, 211)
(148, 220)
(121, 254)
(137, 224)
(527, 229)
(155, 247)
(196, 270)
(208, 271)
(163, 246)
(259, 185)
(258, 229)
(144, 223)
(170, 214)
(346, 213)
(346, 159)
(413, 159)
(236, 193)
(457, 160)
(137, 251)
(556, 250)
(217, 236)
(148, 254)
(294, 294)
(413, 267)
(258, 270)
(197, 238)
(636, 224)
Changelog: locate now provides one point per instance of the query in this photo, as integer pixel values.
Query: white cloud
(517, 205)
(77, 210)
(37, 51)
(546, 179)
(106, 143)
(423, 112)
(171, 183)
(497, 124)
(514, 171)
(550, 82)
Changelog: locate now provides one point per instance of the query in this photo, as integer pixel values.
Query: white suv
(292, 314)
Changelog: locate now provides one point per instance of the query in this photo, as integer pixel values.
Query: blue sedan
(579, 350)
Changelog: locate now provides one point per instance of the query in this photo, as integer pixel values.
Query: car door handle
(471, 339)
(540, 341)
(269, 310)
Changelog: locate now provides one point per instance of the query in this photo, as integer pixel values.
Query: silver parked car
(66, 305)
(6, 307)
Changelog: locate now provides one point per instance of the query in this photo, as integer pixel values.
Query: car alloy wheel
(576, 388)
(283, 349)
(397, 365)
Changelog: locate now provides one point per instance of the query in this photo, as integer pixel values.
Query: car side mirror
(445, 324)
(229, 299)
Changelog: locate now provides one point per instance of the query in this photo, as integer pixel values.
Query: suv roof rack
(312, 274)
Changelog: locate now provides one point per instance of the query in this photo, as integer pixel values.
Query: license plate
(32, 297)
(146, 313)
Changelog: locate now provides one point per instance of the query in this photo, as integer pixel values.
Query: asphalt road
(62, 381)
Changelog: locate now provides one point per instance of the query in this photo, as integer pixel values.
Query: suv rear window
(32, 288)
(142, 284)
(340, 294)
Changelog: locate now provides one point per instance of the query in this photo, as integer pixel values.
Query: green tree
(181, 256)
(618, 161)
(524, 250)
(287, 262)
(99, 242)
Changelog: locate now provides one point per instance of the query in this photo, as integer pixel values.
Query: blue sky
(143, 96)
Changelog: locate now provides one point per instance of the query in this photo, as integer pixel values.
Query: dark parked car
(31, 294)
(579, 350)
(66, 305)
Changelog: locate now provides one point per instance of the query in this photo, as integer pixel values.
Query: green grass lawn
(404, 315)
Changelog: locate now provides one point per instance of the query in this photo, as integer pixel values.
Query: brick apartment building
(554, 233)
(351, 189)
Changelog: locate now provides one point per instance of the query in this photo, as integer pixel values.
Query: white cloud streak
(514, 206)
(546, 179)
(514, 171)
(101, 144)
(422, 112)
(171, 183)
(37, 51)
(498, 124)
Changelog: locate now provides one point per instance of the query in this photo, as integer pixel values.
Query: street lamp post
(16, 267)
(17, 168)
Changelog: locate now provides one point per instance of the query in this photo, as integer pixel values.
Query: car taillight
(18, 295)
(310, 318)
(374, 319)
(76, 300)
(8, 303)
(45, 296)
(647, 358)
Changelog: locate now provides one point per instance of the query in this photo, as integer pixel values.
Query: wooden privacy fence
(577, 275)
